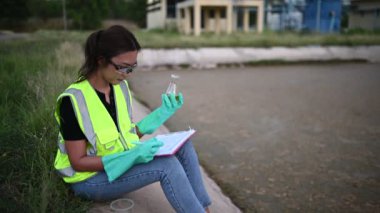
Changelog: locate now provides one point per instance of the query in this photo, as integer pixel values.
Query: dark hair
(106, 44)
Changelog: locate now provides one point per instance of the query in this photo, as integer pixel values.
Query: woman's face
(116, 70)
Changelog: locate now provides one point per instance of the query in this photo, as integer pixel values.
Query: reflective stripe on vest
(87, 125)
(66, 172)
(125, 90)
(126, 94)
(62, 148)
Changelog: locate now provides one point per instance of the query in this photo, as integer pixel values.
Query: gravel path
(283, 138)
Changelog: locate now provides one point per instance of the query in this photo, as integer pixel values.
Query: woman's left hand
(171, 102)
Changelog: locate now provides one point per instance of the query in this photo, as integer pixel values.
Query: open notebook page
(173, 141)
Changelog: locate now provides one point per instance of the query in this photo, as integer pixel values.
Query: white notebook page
(172, 141)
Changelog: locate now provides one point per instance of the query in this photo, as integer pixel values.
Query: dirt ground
(289, 138)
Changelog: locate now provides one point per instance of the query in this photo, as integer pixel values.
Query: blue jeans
(179, 175)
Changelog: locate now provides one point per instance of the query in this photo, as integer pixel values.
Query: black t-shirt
(69, 128)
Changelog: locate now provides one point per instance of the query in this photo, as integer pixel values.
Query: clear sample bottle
(172, 88)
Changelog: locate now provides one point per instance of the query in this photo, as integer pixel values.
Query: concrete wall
(368, 21)
(156, 15)
(212, 27)
(211, 57)
(155, 19)
(365, 16)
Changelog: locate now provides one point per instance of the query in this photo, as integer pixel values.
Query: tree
(45, 9)
(87, 14)
(136, 11)
(132, 10)
(13, 13)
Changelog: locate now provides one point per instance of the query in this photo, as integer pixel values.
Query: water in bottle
(172, 88)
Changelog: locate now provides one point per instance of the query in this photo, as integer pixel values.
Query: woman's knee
(171, 166)
(186, 148)
(188, 145)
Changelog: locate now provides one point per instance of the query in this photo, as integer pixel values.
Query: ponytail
(107, 44)
(91, 55)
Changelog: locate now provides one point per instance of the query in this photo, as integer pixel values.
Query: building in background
(322, 16)
(364, 14)
(161, 13)
(284, 14)
(196, 16)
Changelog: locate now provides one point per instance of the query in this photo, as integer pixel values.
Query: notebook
(173, 141)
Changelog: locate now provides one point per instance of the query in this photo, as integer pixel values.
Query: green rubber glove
(170, 104)
(117, 164)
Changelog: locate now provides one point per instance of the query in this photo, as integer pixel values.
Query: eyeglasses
(124, 69)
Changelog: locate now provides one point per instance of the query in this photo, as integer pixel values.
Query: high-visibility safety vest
(97, 125)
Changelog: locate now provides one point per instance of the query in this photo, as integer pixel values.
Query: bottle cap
(174, 76)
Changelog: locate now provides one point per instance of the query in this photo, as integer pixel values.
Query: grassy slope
(165, 39)
(32, 73)
(169, 39)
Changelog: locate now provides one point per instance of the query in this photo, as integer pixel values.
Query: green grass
(267, 39)
(172, 39)
(32, 73)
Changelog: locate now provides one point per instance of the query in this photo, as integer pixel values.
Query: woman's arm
(79, 160)
(138, 132)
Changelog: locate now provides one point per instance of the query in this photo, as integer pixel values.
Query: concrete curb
(211, 57)
(152, 199)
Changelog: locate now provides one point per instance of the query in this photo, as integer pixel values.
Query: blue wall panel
(330, 15)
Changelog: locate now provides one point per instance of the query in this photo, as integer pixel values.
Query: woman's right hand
(118, 163)
(146, 150)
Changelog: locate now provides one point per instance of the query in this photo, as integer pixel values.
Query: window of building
(212, 13)
(203, 18)
(240, 17)
(171, 8)
(223, 13)
(252, 18)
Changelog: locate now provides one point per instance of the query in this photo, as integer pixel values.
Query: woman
(99, 153)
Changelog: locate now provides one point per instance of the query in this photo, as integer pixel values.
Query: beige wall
(368, 19)
(157, 18)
